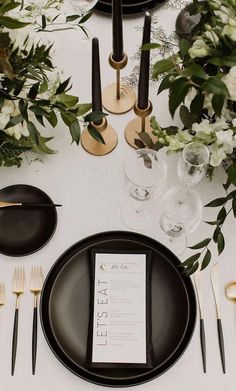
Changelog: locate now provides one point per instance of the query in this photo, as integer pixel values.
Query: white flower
(234, 122)
(5, 113)
(226, 140)
(204, 126)
(199, 49)
(217, 155)
(230, 82)
(230, 31)
(223, 16)
(211, 35)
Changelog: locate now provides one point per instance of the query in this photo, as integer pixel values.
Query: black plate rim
(129, 9)
(143, 378)
(52, 233)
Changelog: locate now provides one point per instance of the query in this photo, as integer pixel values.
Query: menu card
(120, 313)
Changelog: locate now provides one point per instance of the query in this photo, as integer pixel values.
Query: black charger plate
(65, 299)
(25, 230)
(130, 7)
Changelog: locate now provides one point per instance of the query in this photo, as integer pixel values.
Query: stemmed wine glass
(145, 172)
(181, 207)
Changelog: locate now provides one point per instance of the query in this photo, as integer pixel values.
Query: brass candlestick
(140, 124)
(118, 98)
(96, 148)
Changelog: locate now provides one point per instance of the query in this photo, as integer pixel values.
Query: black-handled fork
(18, 289)
(36, 282)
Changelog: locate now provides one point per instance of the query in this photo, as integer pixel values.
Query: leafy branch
(203, 257)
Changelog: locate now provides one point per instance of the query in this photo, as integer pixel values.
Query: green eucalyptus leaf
(23, 106)
(85, 17)
(83, 108)
(44, 22)
(231, 171)
(14, 121)
(33, 91)
(95, 134)
(149, 46)
(34, 134)
(234, 206)
(68, 100)
(201, 244)
(215, 222)
(215, 234)
(217, 104)
(52, 118)
(146, 139)
(165, 84)
(75, 131)
(41, 146)
(67, 118)
(220, 243)
(11, 23)
(163, 66)
(222, 215)
(184, 46)
(217, 202)
(95, 116)
(227, 184)
(192, 269)
(186, 117)
(62, 87)
(178, 92)
(191, 260)
(206, 260)
(71, 18)
(196, 105)
(8, 6)
(195, 70)
(215, 86)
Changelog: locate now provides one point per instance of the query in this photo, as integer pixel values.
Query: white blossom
(216, 155)
(230, 31)
(199, 49)
(230, 81)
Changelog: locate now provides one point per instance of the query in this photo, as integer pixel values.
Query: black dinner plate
(25, 230)
(130, 7)
(65, 308)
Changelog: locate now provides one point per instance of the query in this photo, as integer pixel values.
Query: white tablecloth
(91, 191)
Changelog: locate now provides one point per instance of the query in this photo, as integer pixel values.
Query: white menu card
(119, 314)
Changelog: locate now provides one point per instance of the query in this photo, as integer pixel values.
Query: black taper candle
(96, 78)
(143, 86)
(117, 29)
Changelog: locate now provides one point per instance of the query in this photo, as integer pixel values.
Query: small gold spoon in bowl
(230, 291)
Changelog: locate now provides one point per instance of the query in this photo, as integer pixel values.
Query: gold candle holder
(93, 146)
(140, 124)
(118, 98)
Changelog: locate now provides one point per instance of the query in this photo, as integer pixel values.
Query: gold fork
(36, 282)
(18, 289)
(2, 293)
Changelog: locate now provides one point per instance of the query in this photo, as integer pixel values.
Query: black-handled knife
(215, 288)
(202, 328)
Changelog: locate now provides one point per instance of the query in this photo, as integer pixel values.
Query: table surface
(91, 191)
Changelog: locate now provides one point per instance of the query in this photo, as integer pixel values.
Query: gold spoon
(230, 291)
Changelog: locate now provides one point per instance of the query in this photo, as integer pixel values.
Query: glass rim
(203, 146)
(164, 169)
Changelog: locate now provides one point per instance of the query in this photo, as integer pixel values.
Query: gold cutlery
(36, 283)
(197, 281)
(215, 288)
(27, 204)
(18, 289)
(2, 293)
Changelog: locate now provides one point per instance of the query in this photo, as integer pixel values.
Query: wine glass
(145, 172)
(181, 207)
(193, 163)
